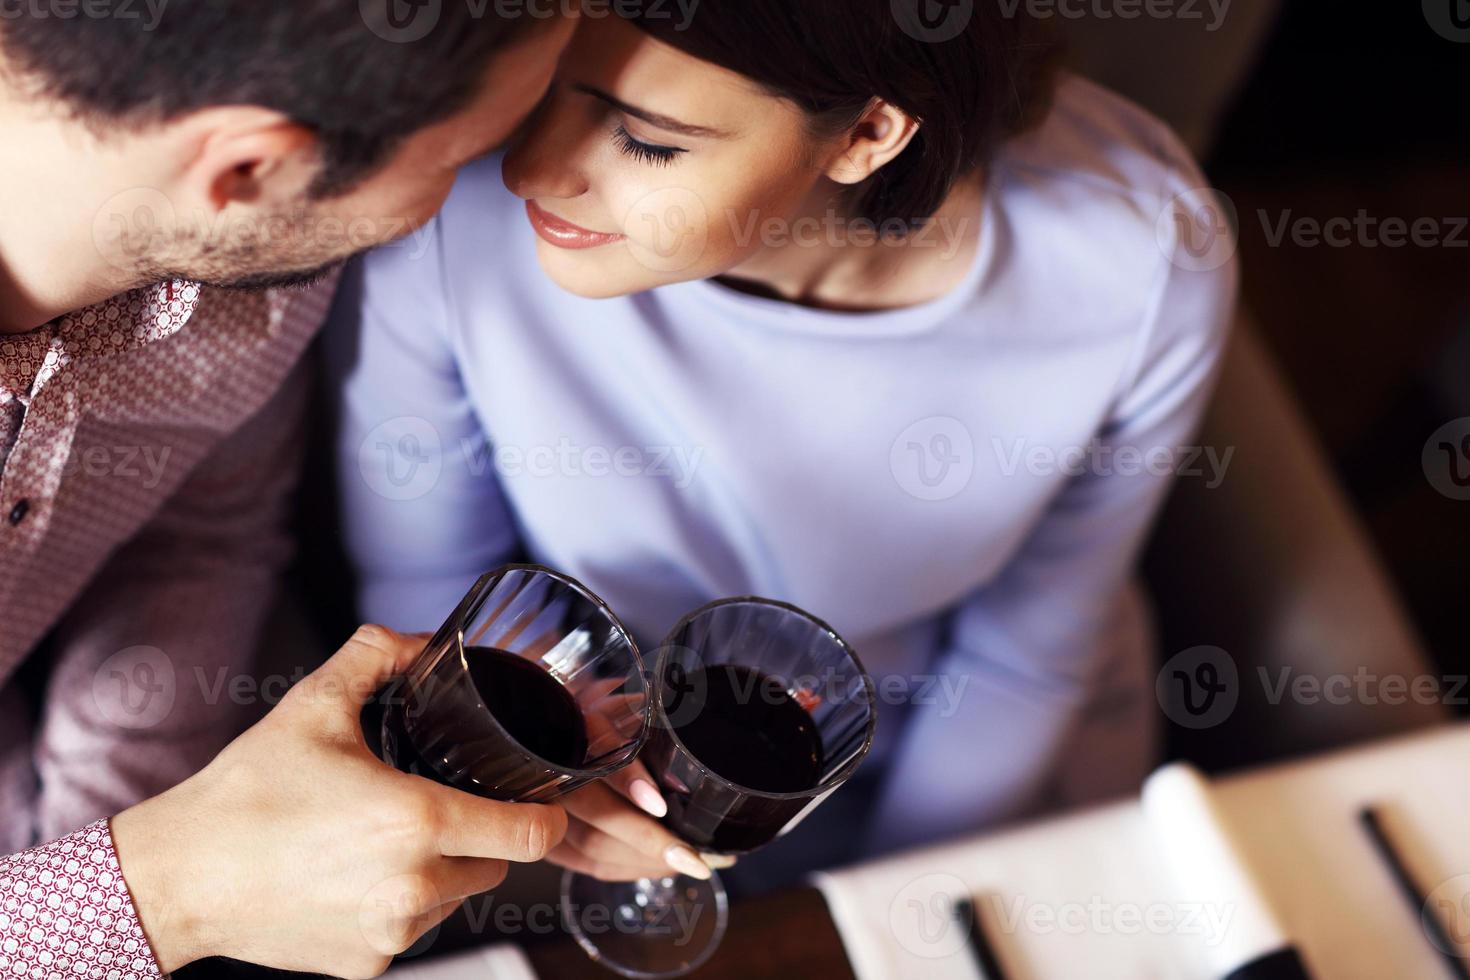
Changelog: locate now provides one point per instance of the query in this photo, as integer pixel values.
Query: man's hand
(297, 849)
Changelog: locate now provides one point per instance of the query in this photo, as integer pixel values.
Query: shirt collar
(117, 325)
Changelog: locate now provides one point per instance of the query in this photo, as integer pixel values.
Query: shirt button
(19, 511)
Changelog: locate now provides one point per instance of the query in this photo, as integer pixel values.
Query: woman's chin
(594, 273)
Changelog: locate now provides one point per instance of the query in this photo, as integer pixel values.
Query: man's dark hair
(363, 76)
(973, 76)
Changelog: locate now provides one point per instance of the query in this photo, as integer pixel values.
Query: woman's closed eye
(649, 153)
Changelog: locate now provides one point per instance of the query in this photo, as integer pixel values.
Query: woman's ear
(882, 133)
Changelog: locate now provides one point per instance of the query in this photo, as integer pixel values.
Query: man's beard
(243, 266)
(262, 281)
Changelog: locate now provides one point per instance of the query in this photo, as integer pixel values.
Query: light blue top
(960, 488)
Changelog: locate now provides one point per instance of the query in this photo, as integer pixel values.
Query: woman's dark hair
(972, 73)
(363, 74)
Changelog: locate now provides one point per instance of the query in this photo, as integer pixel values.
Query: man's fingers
(634, 782)
(473, 827)
(460, 877)
(364, 664)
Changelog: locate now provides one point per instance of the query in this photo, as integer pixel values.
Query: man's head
(247, 143)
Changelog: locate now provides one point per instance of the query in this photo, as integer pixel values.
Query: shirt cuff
(65, 911)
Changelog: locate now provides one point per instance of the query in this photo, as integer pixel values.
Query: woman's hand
(612, 833)
(297, 849)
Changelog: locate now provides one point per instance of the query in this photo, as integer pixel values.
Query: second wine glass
(760, 711)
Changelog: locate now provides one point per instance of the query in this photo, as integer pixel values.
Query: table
(778, 936)
(1295, 825)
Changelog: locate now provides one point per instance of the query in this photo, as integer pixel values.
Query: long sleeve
(155, 663)
(65, 911)
(422, 507)
(1030, 645)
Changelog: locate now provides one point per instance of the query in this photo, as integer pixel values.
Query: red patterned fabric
(65, 912)
(148, 450)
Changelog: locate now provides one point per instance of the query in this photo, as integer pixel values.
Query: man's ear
(250, 156)
(882, 133)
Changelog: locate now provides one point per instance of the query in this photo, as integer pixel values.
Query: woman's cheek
(668, 230)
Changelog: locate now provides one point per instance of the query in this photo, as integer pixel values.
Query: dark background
(1363, 106)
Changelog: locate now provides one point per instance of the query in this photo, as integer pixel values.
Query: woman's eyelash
(650, 153)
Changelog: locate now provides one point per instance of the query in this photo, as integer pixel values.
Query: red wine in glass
(531, 689)
(540, 718)
(747, 728)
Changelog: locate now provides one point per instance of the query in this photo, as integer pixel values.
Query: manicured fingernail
(685, 861)
(646, 795)
(718, 861)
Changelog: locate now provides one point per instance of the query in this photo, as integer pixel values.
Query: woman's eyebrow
(652, 118)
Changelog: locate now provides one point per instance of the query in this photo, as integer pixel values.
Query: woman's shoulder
(1103, 197)
(1101, 174)
(1095, 139)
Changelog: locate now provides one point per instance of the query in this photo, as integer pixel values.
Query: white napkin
(1292, 836)
(1206, 866)
(1066, 898)
(489, 963)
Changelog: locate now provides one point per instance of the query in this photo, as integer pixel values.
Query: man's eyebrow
(652, 118)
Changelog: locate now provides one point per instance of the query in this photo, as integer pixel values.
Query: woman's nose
(547, 160)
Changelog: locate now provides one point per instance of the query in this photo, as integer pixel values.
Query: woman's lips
(564, 234)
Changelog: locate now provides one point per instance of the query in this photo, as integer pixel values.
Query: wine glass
(760, 711)
(531, 689)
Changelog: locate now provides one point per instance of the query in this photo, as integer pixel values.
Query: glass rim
(828, 783)
(636, 744)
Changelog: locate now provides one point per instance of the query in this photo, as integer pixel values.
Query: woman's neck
(829, 260)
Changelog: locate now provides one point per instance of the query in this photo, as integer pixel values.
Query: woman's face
(647, 166)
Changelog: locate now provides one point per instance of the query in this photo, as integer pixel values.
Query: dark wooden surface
(788, 934)
(783, 935)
